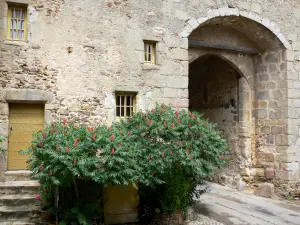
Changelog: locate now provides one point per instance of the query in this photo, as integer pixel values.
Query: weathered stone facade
(81, 52)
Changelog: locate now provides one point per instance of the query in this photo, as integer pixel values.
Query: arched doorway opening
(238, 79)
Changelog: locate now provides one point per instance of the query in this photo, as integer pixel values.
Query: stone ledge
(28, 95)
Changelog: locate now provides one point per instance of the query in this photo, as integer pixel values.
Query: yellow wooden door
(24, 119)
(121, 205)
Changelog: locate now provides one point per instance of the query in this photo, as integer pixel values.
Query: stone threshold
(17, 173)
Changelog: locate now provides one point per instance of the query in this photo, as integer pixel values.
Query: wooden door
(121, 205)
(24, 119)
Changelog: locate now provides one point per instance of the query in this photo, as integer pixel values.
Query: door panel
(121, 205)
(24, 119)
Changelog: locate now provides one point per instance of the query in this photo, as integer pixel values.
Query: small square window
(125, 104)
(150, 52)
(16, 23)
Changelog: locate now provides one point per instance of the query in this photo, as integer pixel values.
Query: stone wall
(84, 51)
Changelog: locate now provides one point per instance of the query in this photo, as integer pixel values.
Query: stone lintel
(28, 96)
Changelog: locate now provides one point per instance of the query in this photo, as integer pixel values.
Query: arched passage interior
(214, 92)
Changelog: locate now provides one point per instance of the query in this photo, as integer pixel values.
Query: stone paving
(231, 207)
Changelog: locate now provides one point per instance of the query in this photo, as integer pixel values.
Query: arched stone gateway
(238, 79)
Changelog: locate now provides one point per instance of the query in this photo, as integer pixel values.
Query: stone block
(265, 156)
(281, 139)
(293, 166)
(170, 92)
(245, 171)
(290, 66)
(241, 185)
(272, 58)
(28, 95)
(193, 23)
(4, 129)
(248, 179)
(265, 130)
(180, 54)
(260, 113)
(264, 77)
(262, 95)
(177, 82)
(289, 156)
(244, 5)
(273, 68)
(269, 173)
(179, 103)
(290, 56)
(260, 172)
(276, 130)
(256, 7)
(270, 139)
(3, 109)
(296, 11)
(50, 106)
(265, 190)
(287, 175)
(294, 93)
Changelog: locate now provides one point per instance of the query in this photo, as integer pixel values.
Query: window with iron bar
(125, 104)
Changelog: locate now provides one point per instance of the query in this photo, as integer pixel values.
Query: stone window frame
(9, 30)
(22, 3)
(132, 105)
(158, 43)
(152, 53)
(128, 90)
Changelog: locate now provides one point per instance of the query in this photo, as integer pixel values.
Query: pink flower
(38, 197)
(177, 113)
(112, 137)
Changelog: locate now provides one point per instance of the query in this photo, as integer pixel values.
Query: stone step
(19, 175)
(19, 187)
(15, 212)
(15, 222)
(18, 200)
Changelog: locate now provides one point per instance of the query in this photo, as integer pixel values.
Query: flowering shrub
(140, 150)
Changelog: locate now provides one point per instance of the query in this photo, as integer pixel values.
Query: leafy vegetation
(164, 150)
(1, 140)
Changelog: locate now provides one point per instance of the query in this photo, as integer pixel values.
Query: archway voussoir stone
(213, 13)
(193, 23)
(202, 20)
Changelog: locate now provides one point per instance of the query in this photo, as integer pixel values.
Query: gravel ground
(203, 220)
(198, 219)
